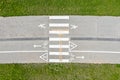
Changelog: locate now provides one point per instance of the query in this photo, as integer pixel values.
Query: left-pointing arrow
(44, 57)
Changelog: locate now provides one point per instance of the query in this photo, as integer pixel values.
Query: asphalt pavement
(60, 39)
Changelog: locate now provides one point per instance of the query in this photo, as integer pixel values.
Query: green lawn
(59, 72)
(59, 7)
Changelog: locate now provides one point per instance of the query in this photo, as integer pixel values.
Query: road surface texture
(60, 39)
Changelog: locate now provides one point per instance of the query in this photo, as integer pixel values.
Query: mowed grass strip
(59, 7)
(59, 72)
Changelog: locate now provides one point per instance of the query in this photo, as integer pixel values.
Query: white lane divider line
(21, 51)
(58, 32)
(58, 60)
(58, 17)
(117, 52)
(58, 53)
(58, 39)
(58, 25)
(58, 46)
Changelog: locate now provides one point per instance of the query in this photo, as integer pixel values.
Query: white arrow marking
(74, 26)
(44, 57)
(82, 57)
(42, 26)
(72, 45)
(35, 46)
(44, 45)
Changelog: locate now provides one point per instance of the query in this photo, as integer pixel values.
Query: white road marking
(44, 57)
(20, 51)
(58, 53)
(72, 45)
(58, 32)
(42, 26)
(58, 46)
(58, 17)
(37, 46)
(58, 60)
(58, 25)
(117, 52)
(58, 39)
(82, 57)
(73, 27)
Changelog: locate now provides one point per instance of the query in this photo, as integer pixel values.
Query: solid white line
(58, 46)
(58, 25)
(20, 51)
(58, 53)
(58, 17)
(58, 39)
(96, 51)
(58, 32)
(58, 60)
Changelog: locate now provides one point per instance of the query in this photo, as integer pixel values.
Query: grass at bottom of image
(54, 71)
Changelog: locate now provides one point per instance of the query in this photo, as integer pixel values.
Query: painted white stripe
(58, 39)
(117, 52)
(35, 46)
(58, 32)
(58, 17)
(58, 25)
(58, 60)
(58, 53)
(58, 46)
(82, 57)
(20, 51)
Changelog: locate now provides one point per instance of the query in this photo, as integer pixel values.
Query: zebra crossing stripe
(58, 25)
(58, 39)
(58, 53)
(58, 17)
(58, 60)
(58, 32)
(58, 46)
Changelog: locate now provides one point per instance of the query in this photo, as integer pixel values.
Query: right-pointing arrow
(72, 45)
